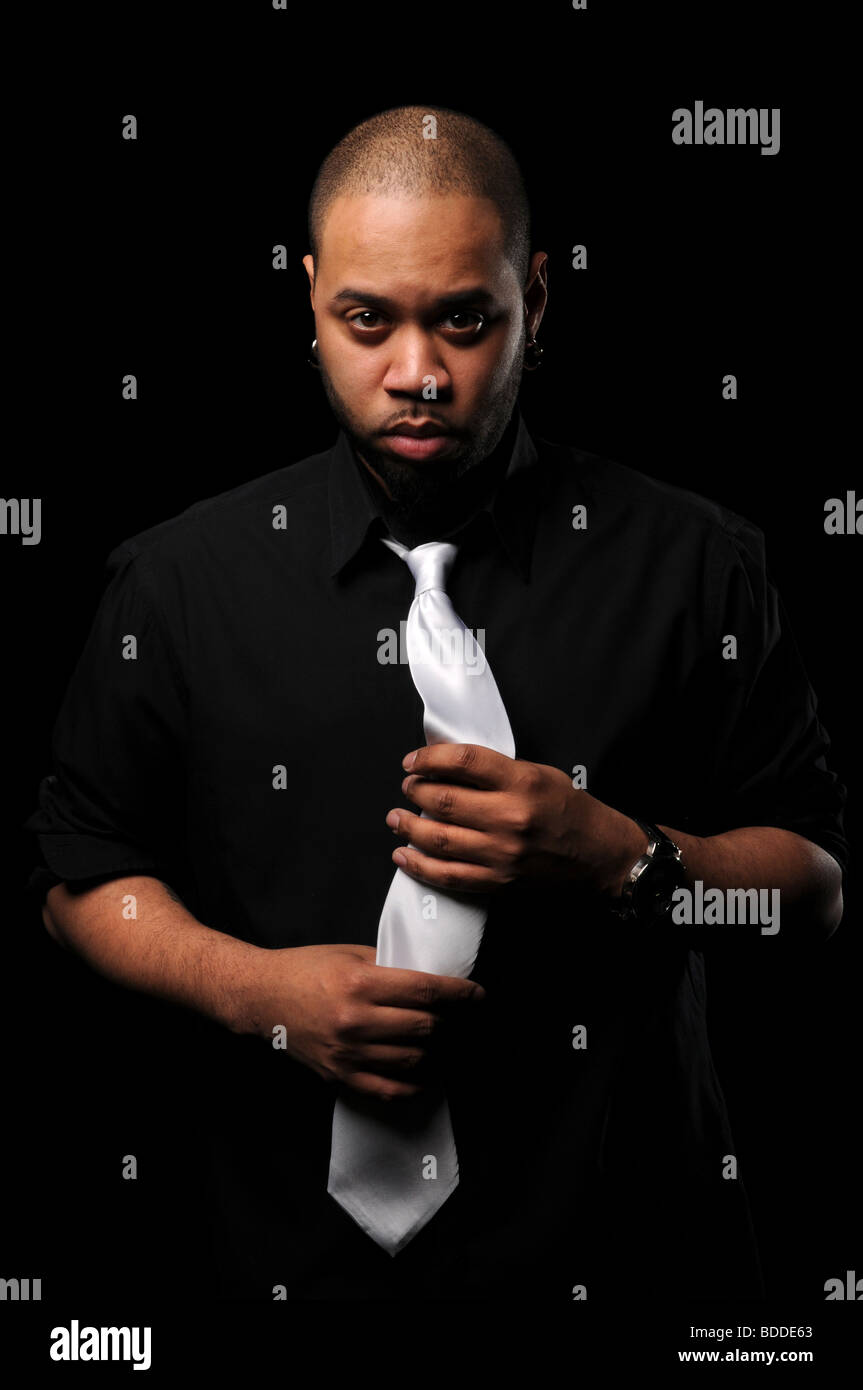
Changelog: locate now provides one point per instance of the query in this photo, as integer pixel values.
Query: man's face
(420, 321)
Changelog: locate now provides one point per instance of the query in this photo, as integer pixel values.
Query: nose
(414, 363)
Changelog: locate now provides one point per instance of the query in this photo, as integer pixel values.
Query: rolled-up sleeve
(113, 802)
(771, 750)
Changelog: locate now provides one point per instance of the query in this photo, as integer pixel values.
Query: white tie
(394, 1163)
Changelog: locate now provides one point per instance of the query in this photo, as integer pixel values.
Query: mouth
(417, 441)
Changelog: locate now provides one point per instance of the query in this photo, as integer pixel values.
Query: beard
(428, 501)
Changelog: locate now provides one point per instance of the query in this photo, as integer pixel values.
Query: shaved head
(422, 152)
(424, 292)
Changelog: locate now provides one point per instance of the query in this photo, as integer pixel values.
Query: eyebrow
(478, 294)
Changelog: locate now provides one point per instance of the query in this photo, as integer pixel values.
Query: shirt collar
(512, 506)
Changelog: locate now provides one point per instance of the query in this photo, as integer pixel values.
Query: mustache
(414, 420)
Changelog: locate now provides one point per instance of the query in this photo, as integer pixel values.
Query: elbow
(822, 901)
(827, 902)
(834, 904)
(831, 917)
(49, 923)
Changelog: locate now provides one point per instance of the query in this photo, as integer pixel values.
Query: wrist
(690, 847)
(239, 986)
(626, 843)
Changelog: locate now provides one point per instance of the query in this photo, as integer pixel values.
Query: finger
(470, 763)
(389, 1060)
(452, 876)
(418, 989)
(381, 1087)
(444, 801)
(435, 838)
(405, 1026)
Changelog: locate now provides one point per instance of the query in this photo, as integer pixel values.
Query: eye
(463, 323)
(365, 314)
(464, 328)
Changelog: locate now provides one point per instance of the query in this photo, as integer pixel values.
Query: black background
(155, 257)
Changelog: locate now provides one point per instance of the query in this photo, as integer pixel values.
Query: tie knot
(429, 563)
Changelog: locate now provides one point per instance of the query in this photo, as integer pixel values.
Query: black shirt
(259, 617)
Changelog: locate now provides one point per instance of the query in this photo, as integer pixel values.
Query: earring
(535, 350)
(312, 358)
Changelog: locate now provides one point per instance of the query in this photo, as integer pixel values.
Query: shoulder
(218, 524)
(622, 496)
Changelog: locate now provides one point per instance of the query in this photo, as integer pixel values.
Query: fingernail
(393, 821)
(409, 760)
(399, 858)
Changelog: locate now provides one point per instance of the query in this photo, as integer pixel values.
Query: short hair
(389, 154)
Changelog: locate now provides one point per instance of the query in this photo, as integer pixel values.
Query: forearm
(808, 879)
(163, 950)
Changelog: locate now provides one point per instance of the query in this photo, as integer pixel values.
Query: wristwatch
(653, 878)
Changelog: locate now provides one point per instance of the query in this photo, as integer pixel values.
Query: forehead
(412, 239)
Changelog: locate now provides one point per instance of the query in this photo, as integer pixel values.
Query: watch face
(652, 892)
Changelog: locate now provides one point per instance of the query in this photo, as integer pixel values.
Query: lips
(422, 430)
(417, 440)
(417, 446)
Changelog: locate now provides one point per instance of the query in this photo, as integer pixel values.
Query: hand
(491, 819)
(350, 1020)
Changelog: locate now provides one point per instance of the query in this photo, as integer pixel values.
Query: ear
(309, 263)
(536, 291)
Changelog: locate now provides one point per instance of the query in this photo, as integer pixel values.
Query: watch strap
(660, 848)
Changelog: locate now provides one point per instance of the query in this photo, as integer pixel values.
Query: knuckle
(344, 1019)
(530, 778)
(514, 849)
(518, 817)
(425, 991)
(467, 755)
(356, 978)
(445, 801)
(441, 840)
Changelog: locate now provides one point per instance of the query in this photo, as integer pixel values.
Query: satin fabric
(392, 1166)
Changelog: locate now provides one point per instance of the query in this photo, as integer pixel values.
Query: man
(233, 742)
